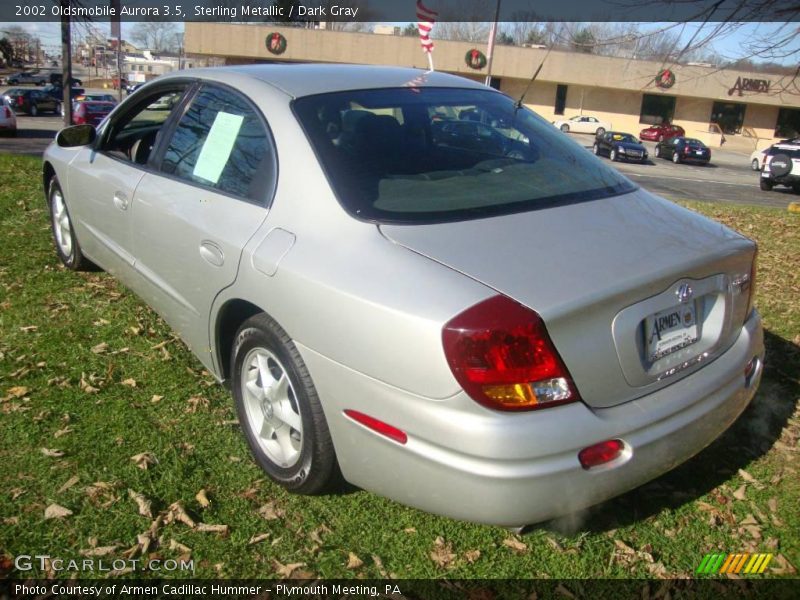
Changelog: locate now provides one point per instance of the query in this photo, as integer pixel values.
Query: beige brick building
(752, 109)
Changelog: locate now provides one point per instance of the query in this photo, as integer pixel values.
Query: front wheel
(279, 410)
(676, 158)
(612, 155)
(67, 246)
(595, 150)
(658, 152)
(565, 128)
(754, 165)
(765, 185)
(34, 110)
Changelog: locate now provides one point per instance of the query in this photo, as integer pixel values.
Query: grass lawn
(91, 378)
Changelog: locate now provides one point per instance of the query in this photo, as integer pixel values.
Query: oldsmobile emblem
(684, 293)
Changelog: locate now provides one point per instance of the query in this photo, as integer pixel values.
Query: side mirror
(77, 135)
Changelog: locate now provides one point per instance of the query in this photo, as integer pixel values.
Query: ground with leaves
(116, 443)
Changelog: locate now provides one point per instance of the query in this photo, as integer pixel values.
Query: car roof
(308, 79)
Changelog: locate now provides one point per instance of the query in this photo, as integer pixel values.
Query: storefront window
(657, 109)
(729, 116)
(788, 125)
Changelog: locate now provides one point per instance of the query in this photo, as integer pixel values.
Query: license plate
(670, 330)
(698, 152)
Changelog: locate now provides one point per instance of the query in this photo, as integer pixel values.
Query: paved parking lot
(727, 179)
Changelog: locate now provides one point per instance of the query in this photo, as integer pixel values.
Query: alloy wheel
(272, 410)
(61, 224)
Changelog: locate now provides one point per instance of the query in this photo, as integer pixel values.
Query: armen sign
(744, 84)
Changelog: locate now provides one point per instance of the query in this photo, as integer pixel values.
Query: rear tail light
(501, 355)
(686, 149)
(7, 112)
(20, 100)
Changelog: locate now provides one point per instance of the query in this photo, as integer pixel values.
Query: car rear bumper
(467, 462)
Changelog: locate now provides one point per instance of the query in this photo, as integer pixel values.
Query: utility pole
(490, 50)
(66, 64)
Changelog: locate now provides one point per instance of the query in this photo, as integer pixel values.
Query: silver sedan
(481, 321)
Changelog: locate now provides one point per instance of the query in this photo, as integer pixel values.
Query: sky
(729, 47)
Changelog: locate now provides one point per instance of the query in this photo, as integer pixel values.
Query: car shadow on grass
(752, 435)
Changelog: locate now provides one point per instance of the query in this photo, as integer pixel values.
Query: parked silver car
(500, 333)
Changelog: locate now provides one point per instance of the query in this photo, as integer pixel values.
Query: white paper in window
(218, 146)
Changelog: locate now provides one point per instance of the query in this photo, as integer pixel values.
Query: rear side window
(222, 143)
(790, 152)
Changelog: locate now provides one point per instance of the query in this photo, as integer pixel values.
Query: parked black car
(34, 102)
(57, 78)
(683, 149)
(26, 77)
(58, 93)
(620, 146)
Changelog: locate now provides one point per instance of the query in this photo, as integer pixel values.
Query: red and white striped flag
(425, 20)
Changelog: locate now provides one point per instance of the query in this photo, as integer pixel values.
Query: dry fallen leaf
(176, 512)
(410, 530)
(196, 402)
(442, 553)
(18, 391)
(63, 432)
(772, 504)
(208, 528)
(286, 571)
(144, 460)
(69, 483)
(258, 538)
(740, 492)
(129, 382)
(100, 348)
(52, 453)
(174, 545)
(271, 512)
(202, 499)
(86, 386)
(472, 555)
(99, 551)
(515, 545)
(379, 565)
(156, 398)
(55, 511)
(145, 506)
(353, 562)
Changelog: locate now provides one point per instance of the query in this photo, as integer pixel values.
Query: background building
(750, 109)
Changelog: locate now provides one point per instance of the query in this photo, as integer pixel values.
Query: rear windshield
(95, 109)
(694, 142)
(409, 155)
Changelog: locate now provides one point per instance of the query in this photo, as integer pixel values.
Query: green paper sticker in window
(218, 146)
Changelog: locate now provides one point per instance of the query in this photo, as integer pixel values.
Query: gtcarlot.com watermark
(44, 562)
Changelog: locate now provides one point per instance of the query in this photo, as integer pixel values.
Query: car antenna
(518, 104)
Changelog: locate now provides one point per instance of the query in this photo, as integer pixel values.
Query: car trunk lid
(597, 272)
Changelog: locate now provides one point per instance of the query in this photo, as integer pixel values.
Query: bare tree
(155, 35)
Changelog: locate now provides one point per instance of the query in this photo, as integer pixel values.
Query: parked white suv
(782, 166)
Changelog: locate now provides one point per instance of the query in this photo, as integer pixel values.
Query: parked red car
(91, 112)
(659, 133)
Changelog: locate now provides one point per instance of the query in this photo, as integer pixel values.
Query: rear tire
(657, 152)
(600, 131)
(34, 110)
(676, 158)
(612, 155)
(595, 150)
(765, 184)
(67, 247)
(754, 165)
(279, 409)
(565, 128)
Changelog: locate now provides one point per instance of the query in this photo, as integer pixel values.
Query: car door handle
(212, 253)
(121, 200)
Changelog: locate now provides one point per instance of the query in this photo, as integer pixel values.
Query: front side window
(133, 135)
(456, 154)
(222, 143)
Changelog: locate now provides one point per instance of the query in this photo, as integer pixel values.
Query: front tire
(596, 150)
(658, 152)
(676, 158)
(67, 247)
(565, 128)
(34, 110)
(754, 165)
(279, 409)
(613, 155)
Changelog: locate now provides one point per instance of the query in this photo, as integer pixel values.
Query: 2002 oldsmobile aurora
(413, 282)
